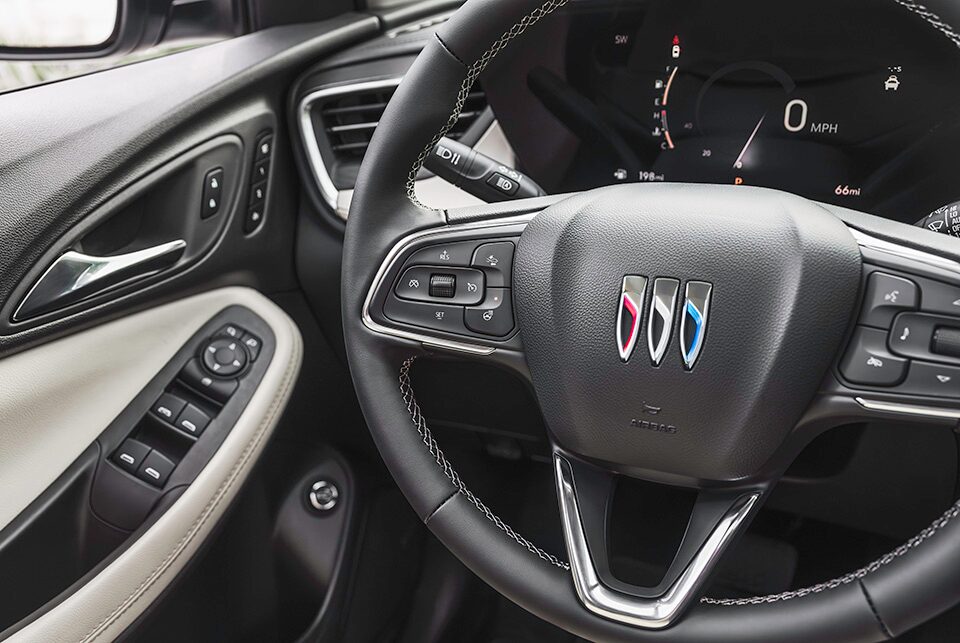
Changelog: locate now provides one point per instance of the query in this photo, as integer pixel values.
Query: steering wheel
(761, 290)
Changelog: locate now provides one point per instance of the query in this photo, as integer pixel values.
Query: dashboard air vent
(349, 119)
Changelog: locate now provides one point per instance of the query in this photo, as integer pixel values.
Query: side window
(47, 40)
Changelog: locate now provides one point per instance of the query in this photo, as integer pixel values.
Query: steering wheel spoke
(585, 494)
(450, 288)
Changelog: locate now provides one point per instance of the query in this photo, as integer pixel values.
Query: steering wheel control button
(155, 469)
(212, 193)
(868, 361)
(946, 341)
(494, 316)
(443, 286)
(323, 496)
(933, 380)
(496, 259)
(442, 317)
(168, 407)
(940, 298)
(194, 376)
(420, 283)
(224, 357)
(130, 455)
(192, 421)
(886, 296)
(912, 335)
(447, 254)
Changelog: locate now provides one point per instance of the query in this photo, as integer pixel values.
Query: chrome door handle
(75, 276)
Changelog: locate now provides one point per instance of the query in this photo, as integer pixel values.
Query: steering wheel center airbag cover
(770, 280)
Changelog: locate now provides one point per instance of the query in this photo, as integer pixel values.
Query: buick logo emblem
(660, 321)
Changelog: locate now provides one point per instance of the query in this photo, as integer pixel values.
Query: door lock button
(212, 193)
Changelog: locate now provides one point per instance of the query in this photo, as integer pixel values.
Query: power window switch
(130, 455)
(168, 407)
(156, 468)
(192, 421)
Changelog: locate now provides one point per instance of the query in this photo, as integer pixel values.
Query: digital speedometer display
(854, 103)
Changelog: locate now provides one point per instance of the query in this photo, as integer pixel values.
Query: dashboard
(854, 103)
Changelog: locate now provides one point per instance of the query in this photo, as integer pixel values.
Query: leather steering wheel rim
(907, 588)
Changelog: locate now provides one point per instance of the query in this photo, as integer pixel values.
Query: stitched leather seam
(234, 474)
(873, 608)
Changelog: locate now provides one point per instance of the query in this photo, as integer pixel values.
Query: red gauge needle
(739, 162)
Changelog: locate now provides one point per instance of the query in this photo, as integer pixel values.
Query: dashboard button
(194, 376)
(156, 468)
(867, 360)
(442, 317)
(494, 316)
(886, 296)
(940, 298)
(497, 261)
(130, 455)
(447, 254)
(168, 407)
(934, 380)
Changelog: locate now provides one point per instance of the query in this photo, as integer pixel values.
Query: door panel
(103, 166)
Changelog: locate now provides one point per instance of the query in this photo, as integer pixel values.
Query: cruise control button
(867, 360)
(168, 407)
(447, 254)
(940, 298)
(442, 317)
(497, 261)
(194, 376)
(192, 420)
(415, 283)
(156, 468)
(130, 455)
(494, 316)
(886, 296)
(934, 380)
